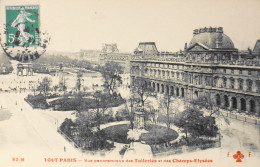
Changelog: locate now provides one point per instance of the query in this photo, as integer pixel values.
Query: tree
(45, 86)
(63, 86)
(78, 97)
(166, 102)
(67, 127)
(111, 73)
(130, 113)
(98, 98)
(193, 122)
(84, 129)
(56, 87)
(142, 92)
(210, 105)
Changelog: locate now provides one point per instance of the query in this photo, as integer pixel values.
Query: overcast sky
(86, 24)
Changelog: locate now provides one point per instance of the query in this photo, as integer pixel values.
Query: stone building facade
(209, 66)
(91, 56)
(24, 69)
(110, 53)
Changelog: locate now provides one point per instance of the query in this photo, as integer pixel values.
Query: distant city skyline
(87, 24)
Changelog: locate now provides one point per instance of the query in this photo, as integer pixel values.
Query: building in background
(91, 56)
(210, 66)
(110, 53)
(24, 69)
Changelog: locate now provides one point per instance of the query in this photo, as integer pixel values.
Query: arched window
(234, 102)
(167, 90)
(182, 92)
(226, 104)
(172, 90)
(252, 106)
(232, 83)
(178, 75)
(215, 81)
(243, 104)
(249, 84)
(218, 100)
(182, 76)
(258, 86)
(177, 91)
(196, 94)
(240, 82)
(162, 88)
(168, 73)
(224, 82)
(172, 74)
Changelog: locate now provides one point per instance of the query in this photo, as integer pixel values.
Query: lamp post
(20, 86)
(82, 83)
(131, 113)
(45, 88)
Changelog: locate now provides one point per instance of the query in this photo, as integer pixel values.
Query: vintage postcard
(131, 83)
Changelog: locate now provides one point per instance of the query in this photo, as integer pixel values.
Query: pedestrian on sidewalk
(64, 149)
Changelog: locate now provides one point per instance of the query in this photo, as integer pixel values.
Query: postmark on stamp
(22, 25)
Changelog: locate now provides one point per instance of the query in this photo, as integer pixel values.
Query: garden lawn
(156, 135)
(67, 104)
(118, 133)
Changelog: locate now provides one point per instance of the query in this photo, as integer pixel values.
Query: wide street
(27, 134)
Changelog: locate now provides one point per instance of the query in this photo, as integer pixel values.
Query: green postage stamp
(22, 25)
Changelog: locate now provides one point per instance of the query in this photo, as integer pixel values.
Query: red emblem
(238, 156)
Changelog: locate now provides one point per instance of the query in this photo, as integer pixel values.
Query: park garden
(99, 116)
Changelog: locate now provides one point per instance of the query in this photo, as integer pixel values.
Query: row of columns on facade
(233, 102)
(220, 84)
(170, 89)
(242, 104)
(254, 86)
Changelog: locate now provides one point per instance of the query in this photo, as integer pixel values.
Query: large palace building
(209, 66)
(110, 53)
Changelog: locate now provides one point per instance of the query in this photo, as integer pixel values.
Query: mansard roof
(257, 46)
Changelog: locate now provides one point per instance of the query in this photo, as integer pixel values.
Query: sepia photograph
(130, 83)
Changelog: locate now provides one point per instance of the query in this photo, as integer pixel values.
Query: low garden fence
(68, 138)
(178, 147)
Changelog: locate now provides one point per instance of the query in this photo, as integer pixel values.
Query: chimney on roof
(219, 40)
(249, 50)
(185, 47)
(195, 32)
(220, 29)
